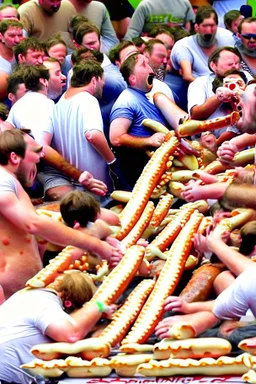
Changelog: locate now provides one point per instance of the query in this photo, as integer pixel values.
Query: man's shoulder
(96, 6)
(202, 80)
(28, 6)
(184, 42)
(66, 5)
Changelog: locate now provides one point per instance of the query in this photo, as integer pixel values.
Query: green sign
(252, 3)
(134, 3)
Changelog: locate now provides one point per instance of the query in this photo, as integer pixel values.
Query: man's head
(89, 73)
(247, 34)
(74, 288)
(15, 85)
(137, 72)
(121, 51)
(29, 51)
(56, 80)
(87, 35)
(165, 35)
(232, 19)
(50, 6)
(12, 145)
(206, 24)
(223, 59)
(11, 33)
(84, 53)
(157, 54)
(56, 47)
(247, 122)
(79, 207)
(20, 152)
(36, 78)
(8, 12)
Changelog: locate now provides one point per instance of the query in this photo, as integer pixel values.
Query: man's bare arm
(205, 110)
(119, 136)
(186, 69)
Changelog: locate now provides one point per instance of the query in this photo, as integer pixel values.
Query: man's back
(150, 13)
(23, 321)
(32, 111)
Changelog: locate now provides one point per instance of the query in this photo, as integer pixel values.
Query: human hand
(192, 191)
(227, 151)
(116, 243)
(163, 328)
(224, 94)
(156, 140)
(111, 254)
(201, 245)
(109, 310)
(176, 304)
(94, 185)
(142, 242)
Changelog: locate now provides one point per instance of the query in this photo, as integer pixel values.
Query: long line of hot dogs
(171, 233)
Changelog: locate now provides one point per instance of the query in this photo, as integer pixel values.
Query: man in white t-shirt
(190, 55)
(75, 131)
(33, 110)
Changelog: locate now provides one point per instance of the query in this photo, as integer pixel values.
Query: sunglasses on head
(249, 36)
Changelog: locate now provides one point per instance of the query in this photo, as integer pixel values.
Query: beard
(26, 178)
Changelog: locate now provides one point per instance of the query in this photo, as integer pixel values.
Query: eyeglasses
(249, 36)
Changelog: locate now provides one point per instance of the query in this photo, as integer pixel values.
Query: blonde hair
(76, 286)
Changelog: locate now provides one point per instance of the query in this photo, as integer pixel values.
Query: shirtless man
(19, 222)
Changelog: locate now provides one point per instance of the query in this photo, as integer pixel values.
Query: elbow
(115, 141)
(70, 336)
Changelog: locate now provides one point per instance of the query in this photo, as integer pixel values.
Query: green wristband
(100, 305)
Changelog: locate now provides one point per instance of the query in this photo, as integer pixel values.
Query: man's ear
(44, 82)
(14, 158)
(238, 35)
(76, 45)
(76, 225)
(21, 59)
(132, 79)
(10, 96)
(196, 27)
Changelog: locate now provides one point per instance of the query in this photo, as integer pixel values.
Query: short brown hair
(11, 140)
(231, 16)
(6, 24)
(76, 287)
(246, 20)
(79, 206)
(205, 12)
(82, 30)
(84, 71)
(128, 65)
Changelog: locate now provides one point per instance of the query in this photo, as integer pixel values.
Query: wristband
(111, 162)
(100, 305)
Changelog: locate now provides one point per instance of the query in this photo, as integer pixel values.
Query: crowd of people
(77, 79)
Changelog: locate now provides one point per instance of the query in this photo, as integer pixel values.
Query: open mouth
(150, 79)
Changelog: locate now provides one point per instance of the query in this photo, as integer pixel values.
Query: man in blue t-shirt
(128, 135)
